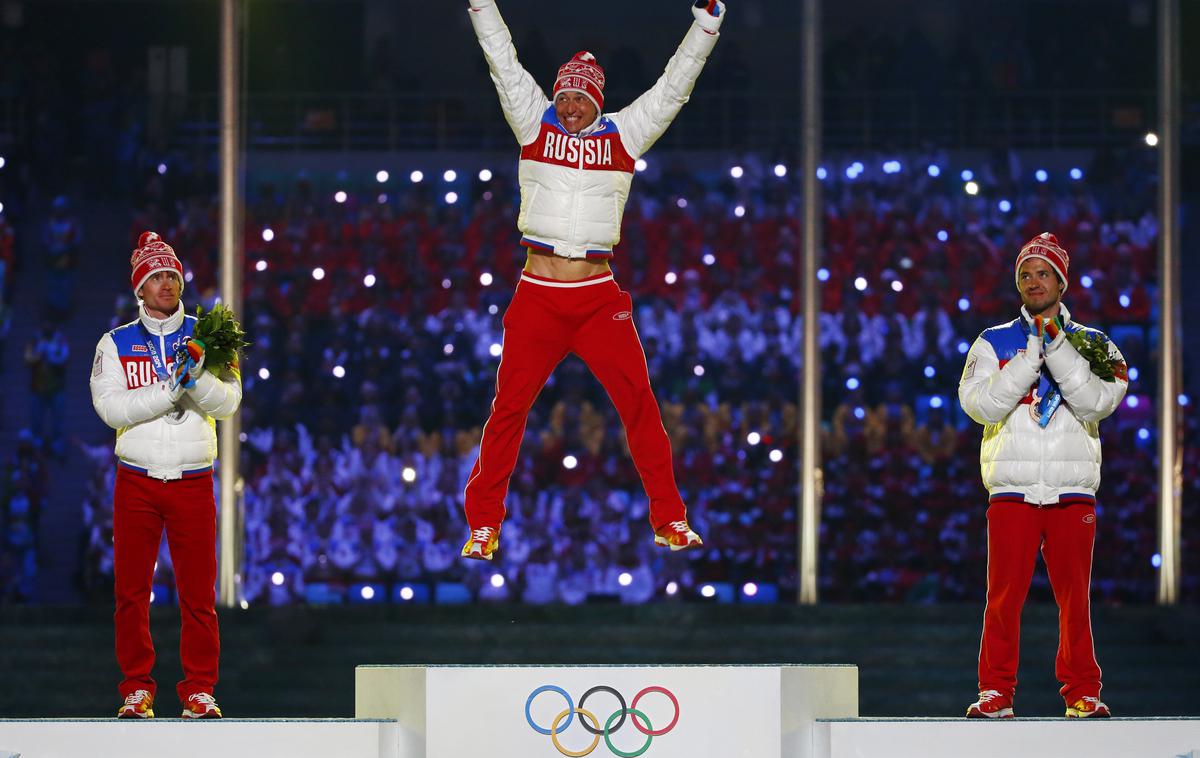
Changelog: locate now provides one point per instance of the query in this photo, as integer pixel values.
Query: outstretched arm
(644, 120)
(522, 99)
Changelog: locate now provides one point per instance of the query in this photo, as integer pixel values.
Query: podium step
(229, 738)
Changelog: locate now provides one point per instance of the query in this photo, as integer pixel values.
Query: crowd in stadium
(375, 315)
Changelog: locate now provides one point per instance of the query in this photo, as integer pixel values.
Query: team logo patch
(139, 348)
(1090, 518)
(98, 365)
(622, 316)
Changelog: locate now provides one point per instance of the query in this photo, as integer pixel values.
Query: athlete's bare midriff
(563, 269)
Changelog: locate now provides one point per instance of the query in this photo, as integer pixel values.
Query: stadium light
(934, 170)
(382, 176)
(1005, 206)
(753, 438)
(1041, 175)
(897, 285)
(1086, 281)
(943, 235)
(971, 188)
(260, 266)
(416, 177)
(639, 165)
(268, 234)
(1076, 174)
(860, 283)
(408, 474)
(852, 383)
(930, 372)
(672, 588)
(406, 593)
(495, 349)
(367, 592)
(698, 370)
(381, 198)
(736, 172)
(369, 280)
(318, 273)
(776, 455)
(451, 198)
(485, 279)
(708, 591)
(497, 580)
(448, 348)
(935, 401)
(625, 579)
(485, 175)
(709, 259)
(823, 274)
(339, 197)
(339, 372)
(822, 173)
(1131, 401)
(449, 175)
(780, 170)
(749, 589)
(264, 374)
(1143, 434)
(1124, 300)
(1151, 139)
(570, 462)
(1134, 373)
(967, 174)
(671, 277)
(162, 169)
(964, 304)
(739, 211)
(277, 578)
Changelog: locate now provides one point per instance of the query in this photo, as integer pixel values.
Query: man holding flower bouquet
(161, 382)
(1040, 385)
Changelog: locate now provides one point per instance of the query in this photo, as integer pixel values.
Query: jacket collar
(1062, 311)
(168, 325)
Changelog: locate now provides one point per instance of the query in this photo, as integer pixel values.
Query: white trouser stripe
(586, 283)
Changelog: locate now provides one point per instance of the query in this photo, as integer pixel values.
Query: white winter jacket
(574, 187)
(165, 439)
(1001, 387)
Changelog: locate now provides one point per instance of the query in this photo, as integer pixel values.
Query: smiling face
(1040, 287)
(575, 111)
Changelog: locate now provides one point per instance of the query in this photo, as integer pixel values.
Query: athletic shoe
(677, 535)
(201, 705)
(991, 705)
(1088, 708)
(139, 704)
(483, 543)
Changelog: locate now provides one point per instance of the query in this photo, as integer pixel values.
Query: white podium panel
(656, 711)
(1026, 738)
(174, 738)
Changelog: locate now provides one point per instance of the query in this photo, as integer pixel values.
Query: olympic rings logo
(640, 720)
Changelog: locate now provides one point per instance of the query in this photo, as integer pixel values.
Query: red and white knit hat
(1046, 247)
(151, 256)
(582, 74)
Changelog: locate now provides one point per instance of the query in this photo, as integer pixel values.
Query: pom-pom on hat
(151, 256)
(1046, 247)
(582, 74)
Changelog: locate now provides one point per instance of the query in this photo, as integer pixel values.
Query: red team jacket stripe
(601, 151)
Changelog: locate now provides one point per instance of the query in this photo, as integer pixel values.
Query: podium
(656, 711)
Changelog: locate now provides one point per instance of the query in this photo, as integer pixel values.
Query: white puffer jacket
(1000, 389)
(165, 438)
(574, 187)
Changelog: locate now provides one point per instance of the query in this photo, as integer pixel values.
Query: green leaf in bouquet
(221, 334)
(1094, 347)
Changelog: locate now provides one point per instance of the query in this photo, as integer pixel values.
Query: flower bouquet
(219, 338)
(1093, 346)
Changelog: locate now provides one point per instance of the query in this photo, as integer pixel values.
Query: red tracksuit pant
(546, 320)
(142, 508)
(1064, 533)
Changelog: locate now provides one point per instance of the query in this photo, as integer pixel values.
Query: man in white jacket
(575, 170)
(164, 413)
(1040, 402)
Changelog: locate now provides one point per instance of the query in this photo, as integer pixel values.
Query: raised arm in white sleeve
(989, 393)
(117, 405)
(522, 100)
(644, 120)
(217, 397)
(1088, 396)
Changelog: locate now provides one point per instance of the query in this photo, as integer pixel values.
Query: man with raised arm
(576, 167)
